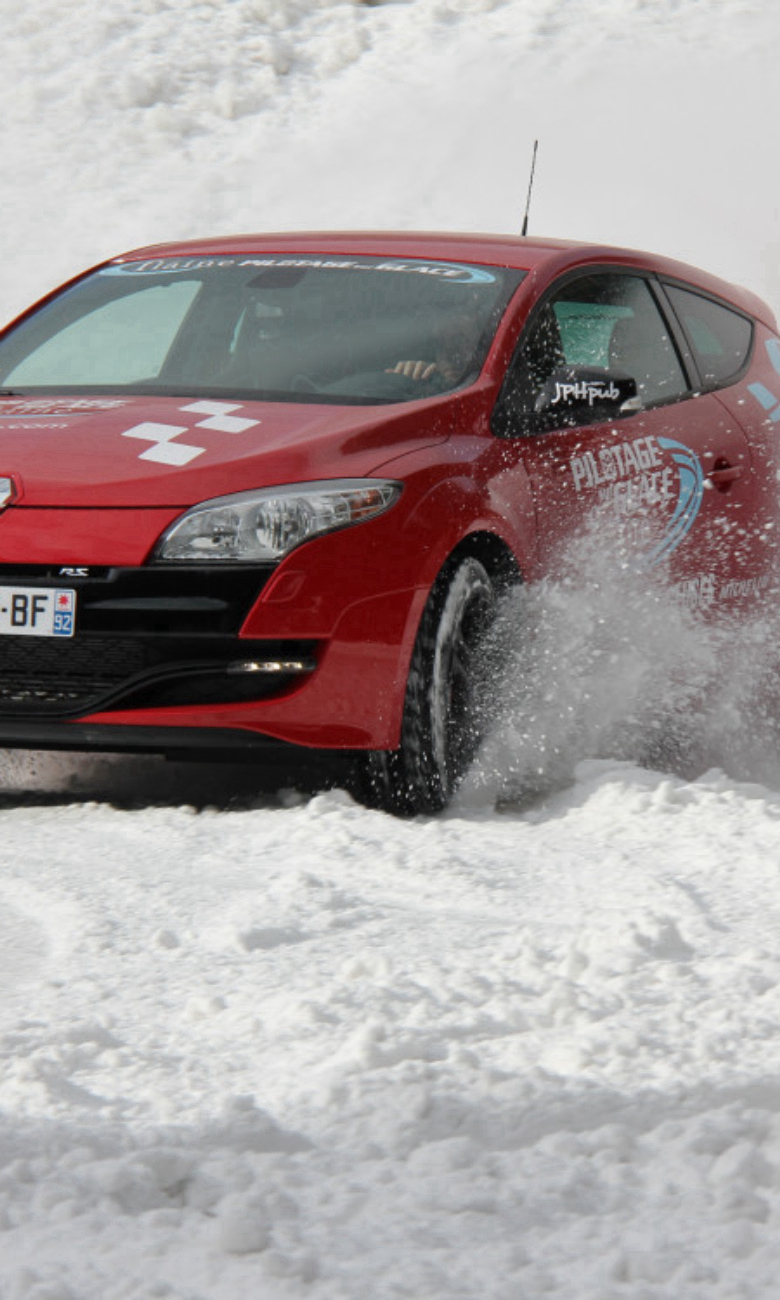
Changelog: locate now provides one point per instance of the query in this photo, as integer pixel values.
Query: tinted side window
(608, 322)
(720, 338)
(612, 321)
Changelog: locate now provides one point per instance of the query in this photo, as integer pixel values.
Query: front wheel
(443, 723)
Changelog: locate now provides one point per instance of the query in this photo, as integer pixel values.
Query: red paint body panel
(353, 700)
(88, 537)
(94, 457)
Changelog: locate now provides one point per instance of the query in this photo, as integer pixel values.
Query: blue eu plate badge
(64, 612)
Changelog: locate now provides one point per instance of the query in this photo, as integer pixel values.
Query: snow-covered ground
(304, 1051)
(273, 1047)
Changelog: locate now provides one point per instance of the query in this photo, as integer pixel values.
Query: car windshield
(309, 328)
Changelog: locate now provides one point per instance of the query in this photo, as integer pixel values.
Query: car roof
(550, 256)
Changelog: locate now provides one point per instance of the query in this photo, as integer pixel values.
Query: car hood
(177, 451)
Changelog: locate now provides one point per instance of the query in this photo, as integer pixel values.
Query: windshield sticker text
(453, 272)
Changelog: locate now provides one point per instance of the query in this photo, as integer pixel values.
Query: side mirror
(576, 395)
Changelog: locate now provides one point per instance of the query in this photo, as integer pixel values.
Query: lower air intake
(71, 677)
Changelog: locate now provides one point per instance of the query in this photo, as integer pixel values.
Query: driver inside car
(454, 348)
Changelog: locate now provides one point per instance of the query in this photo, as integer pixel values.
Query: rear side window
(720, 338)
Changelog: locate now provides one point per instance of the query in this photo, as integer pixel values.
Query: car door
(620, 453)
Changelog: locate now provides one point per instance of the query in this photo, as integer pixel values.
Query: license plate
(37, 611)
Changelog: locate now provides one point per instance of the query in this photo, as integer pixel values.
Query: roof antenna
(524, 231)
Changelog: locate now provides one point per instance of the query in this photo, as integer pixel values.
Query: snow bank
(125, 124)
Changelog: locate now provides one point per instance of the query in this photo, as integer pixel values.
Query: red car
(259, 494)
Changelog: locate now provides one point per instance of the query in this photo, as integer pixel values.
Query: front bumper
(171, 658)
(190, 744)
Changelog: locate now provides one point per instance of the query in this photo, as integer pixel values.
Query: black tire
(443, 722)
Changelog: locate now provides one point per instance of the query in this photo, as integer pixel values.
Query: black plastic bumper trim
(197, 743)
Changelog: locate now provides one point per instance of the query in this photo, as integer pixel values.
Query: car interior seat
(265, 354)
(642, 349)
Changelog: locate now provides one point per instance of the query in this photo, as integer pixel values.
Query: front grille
(167, 600)
(39, 675)
(145, 638)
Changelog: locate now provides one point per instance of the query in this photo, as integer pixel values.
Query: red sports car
(259, 494)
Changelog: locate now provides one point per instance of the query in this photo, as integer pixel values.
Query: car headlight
(269, 523)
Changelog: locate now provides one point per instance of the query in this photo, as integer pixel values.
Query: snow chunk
(243, 1224)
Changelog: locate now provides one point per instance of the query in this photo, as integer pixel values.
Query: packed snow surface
(268, 1046)
(302, 1050)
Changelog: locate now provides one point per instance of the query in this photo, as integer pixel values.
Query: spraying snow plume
(610, 662)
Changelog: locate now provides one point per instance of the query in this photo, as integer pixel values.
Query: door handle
(723, 474)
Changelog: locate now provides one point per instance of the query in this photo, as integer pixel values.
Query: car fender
(473, 487)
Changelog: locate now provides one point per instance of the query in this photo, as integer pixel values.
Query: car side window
(603, 328)
(720, 338)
